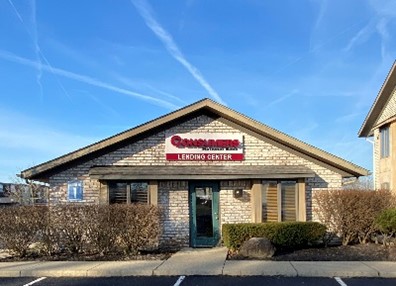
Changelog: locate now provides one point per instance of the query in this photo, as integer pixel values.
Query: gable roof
(379, 104)
(347, 168)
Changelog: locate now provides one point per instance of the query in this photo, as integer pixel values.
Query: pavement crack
(376, 270)
(152, 273)
(89, 269)
(295, 269)
(222, 268)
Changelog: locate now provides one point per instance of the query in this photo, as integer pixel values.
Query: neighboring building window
(279, 200)
(75, 190)
(385, 186)
(384, 141)
(128, 192)
(1, 190)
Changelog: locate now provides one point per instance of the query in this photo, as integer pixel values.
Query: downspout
(372, 143)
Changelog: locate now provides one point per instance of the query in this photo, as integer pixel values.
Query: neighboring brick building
(380, 123)
(205, 165)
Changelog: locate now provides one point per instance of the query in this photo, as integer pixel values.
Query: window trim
(128, 190)
(265, 184)
(79, 195)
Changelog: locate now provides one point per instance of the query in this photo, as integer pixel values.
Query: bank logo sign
(204, 147)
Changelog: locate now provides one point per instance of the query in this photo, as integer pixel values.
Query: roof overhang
(189, 172)
(366, 130)
(205, 106)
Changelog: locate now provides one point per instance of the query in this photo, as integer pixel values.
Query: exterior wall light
(238, 193)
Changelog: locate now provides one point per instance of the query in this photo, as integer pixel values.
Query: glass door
(204, 213)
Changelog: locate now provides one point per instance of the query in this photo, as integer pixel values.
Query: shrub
(139, 227)
(282, 234)
(103, 234)
(75, 229)
(351, 213)
(386, 223)
(20, 226)
(69, 225)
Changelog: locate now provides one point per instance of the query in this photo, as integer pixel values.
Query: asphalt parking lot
(198, 280)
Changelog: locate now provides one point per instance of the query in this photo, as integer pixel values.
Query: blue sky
(74, 72)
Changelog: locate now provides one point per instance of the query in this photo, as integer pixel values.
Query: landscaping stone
(257, 247)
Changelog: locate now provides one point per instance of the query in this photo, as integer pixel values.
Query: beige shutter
(302, 213)
(153, 193)
(103, 193)
(257, 201)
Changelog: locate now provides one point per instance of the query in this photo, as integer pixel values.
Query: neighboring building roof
(205, 106)
(379, 104)
(225, 172)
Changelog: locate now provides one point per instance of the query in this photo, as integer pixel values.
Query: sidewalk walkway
(197, 262)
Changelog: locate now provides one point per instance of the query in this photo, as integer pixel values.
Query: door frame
(205, 241)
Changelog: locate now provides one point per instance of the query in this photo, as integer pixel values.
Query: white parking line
(338, 279)
(35, 281)
(179, 281)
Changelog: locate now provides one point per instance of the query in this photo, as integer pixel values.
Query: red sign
(204, 147)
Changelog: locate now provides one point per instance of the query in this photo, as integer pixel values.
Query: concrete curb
(332, 269)
(231, 268)
(259, 268)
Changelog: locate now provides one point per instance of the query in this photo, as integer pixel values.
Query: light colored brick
(173, 195)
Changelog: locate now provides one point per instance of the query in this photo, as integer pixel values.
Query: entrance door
(204, 213)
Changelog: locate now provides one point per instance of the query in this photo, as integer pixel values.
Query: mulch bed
(91, 257)
(359, 252)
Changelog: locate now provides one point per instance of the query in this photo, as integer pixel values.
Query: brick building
(380, 124)
(205, 165)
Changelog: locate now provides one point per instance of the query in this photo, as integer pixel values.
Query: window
(139, 192)
(384, 141)
(385, 186)
(117, 193)
(128, 192)
(75, 190)
(279, 201)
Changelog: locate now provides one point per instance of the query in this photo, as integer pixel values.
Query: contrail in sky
(85, 79)
(37, 50)
(145, 11)
(36, 47)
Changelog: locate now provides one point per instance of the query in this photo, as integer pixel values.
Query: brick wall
(173, 200)
(235, 210)
(151, 151)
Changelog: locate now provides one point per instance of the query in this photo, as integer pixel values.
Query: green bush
(290, 235)
(386, 223)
